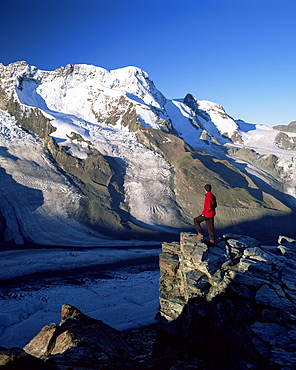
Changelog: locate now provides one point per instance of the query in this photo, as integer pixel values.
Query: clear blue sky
(238, 53)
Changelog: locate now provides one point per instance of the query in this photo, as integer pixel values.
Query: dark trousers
(209, 224)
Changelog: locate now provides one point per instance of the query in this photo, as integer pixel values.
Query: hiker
(208, 214)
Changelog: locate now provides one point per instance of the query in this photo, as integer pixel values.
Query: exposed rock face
(267, 163)
(232, 305)
(285, 141)
(31, 119)
(202, 116)
(291, 127)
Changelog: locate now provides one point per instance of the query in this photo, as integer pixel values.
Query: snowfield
(147, 173)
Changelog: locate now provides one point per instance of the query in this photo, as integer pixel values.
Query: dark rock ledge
(229, 306)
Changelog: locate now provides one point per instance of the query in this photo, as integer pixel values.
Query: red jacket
(209, 205)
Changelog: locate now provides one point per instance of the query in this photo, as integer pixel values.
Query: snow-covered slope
(92, 110)
(262, 140)
(30, 188)
(71, 103)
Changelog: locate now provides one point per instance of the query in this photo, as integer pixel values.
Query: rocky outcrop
(78, 337)
(284, 141)
(291, 127)
(80, 341)
(229, 306)
(201, 117)
(267, 163)
(30, 119)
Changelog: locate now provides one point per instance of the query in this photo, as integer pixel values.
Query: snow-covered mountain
(88, 155)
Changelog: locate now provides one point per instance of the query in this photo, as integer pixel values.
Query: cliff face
(232, 305)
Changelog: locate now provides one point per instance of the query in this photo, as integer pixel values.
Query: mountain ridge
(137, 160)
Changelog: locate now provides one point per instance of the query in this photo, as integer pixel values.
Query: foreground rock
(89, 338)
(18, 359)
(81, 342)
(230, 306)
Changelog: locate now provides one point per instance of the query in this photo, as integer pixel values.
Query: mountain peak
(191, 102)
(124, 145)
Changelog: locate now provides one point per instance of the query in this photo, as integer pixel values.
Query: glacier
(79, 101)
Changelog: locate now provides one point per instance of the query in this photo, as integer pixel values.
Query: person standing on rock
(208, 214)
